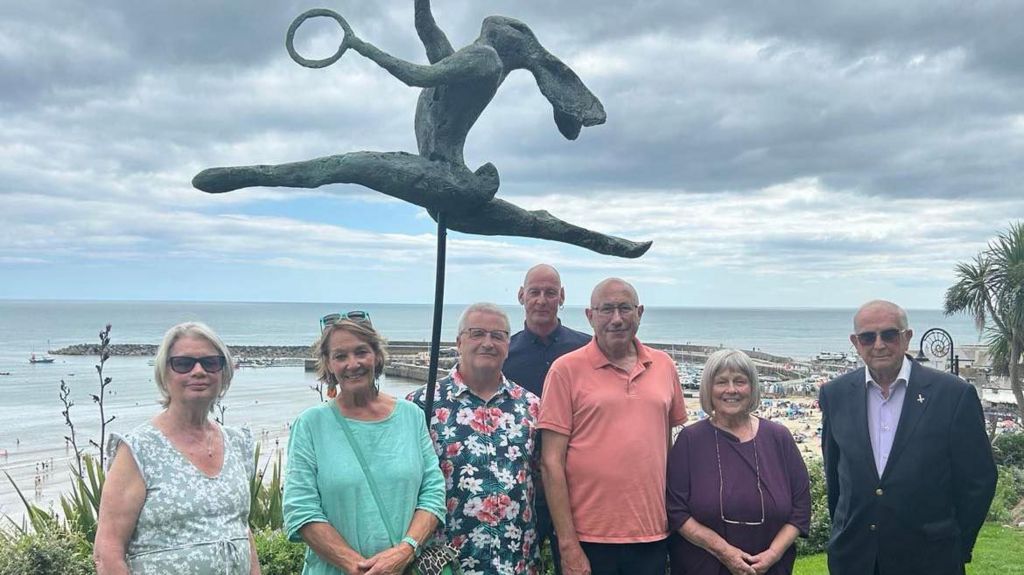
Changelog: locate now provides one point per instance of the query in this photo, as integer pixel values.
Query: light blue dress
(324, 482)
(190, 524)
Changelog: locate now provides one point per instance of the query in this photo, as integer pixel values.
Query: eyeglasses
(721, 486)
(185, 364)
(887, 335)
(478, 334)
(355, 315)
(625, 310)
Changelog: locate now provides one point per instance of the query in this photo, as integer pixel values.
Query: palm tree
(991, 290)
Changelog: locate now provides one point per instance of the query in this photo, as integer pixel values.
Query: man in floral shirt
(484, 429)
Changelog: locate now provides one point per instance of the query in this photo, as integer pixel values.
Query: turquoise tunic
(324, 482)
(190, 524)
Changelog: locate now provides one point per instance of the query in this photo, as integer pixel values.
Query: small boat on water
(40, 359)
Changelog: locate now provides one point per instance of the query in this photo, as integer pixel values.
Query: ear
(561, 295)
(521, 293)
(853, 340)
(639, 311)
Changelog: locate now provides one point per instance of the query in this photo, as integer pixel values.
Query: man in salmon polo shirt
(607, 414)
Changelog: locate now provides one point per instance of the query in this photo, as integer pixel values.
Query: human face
(198, 385)
(616, 330)
(351, 361)
(730, 394)
(883, 358)
(483, 356)
(540, 297)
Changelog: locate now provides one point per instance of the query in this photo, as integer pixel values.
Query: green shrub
(278, 556)
(821, 524)
(1008, 449)
(266, 509)
(1009, 490)
(47, 552)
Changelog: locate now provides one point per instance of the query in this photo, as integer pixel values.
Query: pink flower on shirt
(486, 419)
(442, 413)
(453, 449)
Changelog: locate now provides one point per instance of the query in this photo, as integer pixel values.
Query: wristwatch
(412, 543)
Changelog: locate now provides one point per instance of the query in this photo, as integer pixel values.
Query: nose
(197, 369)
(879, 344)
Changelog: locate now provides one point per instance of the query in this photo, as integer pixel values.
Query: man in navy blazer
(908, 466)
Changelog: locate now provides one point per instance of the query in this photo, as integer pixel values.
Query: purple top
(693, 491)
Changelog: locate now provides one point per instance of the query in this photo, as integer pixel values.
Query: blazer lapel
(915, 403)
(858, 411)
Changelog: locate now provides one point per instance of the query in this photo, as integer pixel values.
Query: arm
(330, 546)
(124, 493)
(973, 469)
(433, 38)
(394, 560)
(556, 489)
(735, 560)
(254, 560)
(829, 453)
(764, 560)
(459, 66)
(304, 517)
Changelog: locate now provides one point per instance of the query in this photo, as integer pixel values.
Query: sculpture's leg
(500, 218)
(409, 177)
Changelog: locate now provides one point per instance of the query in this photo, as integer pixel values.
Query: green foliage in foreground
(278, 556)
(51, 551)
(999, 551)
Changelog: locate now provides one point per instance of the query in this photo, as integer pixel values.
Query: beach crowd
(548, 436)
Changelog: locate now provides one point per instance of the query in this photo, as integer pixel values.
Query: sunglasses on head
(887, 335)
(356, 316)
(185, 364)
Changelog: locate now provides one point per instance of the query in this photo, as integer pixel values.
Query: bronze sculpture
(457, 86)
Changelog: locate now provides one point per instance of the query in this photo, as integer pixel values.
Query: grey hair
(483, 307)
(902, 321)
(729, 360)
(196, 330)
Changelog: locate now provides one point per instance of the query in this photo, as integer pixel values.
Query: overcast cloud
(779, 153)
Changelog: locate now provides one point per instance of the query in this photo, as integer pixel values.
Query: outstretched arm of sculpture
(433, 38)
(500, 218)
(409, 177)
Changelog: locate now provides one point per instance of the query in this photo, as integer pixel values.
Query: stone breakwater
(145, 349)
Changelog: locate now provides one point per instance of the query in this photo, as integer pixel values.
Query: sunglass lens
(890, 335)
(212, 363)
(866, 338)
(182, 364)
(357, 315)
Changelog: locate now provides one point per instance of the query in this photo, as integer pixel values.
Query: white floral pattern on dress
(190, 524)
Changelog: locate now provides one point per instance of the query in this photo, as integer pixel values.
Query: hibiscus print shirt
(487, 456)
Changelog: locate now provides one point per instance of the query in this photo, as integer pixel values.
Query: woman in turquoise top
(327, 500)
(176, 498)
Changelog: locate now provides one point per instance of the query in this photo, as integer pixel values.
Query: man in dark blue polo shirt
(531, 353)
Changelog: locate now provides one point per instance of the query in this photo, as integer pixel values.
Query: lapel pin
(920, 398)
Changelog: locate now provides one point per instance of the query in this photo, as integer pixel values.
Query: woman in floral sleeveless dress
(176, 498)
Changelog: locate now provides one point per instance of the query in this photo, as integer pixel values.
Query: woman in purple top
(738, 491)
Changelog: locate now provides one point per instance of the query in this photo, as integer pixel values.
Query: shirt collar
(903, 376)
(598, 359)
(552, 337)
(459, 387)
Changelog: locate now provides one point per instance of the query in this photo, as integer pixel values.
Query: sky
(778, 153)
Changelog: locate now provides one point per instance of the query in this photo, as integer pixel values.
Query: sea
(33, 449)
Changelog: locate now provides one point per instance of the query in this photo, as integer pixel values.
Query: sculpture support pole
(435, 337)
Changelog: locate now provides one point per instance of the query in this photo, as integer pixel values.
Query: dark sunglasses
(185, 364)
(356, 316)
(887, 335)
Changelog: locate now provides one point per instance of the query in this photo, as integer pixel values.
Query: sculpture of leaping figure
(458, 85)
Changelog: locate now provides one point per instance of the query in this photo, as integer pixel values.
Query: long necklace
(209, 441)
(721, 483)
